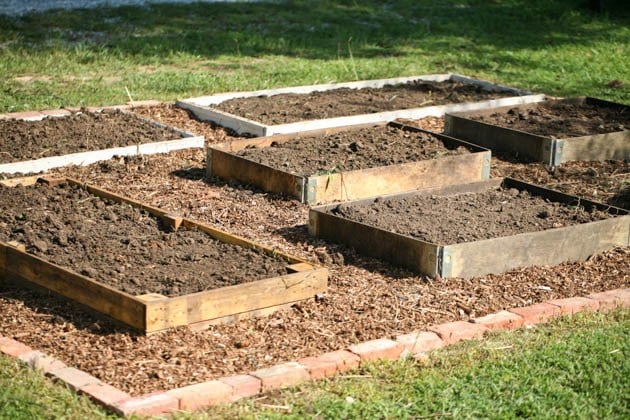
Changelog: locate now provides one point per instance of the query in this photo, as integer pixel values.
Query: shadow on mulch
(64, 313)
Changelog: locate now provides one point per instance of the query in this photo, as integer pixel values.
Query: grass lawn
(26, 394)
(574, 368)
(91, 56)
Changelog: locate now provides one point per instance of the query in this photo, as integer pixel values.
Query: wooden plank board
(615, 146)
(549, 247)
(202, 106)
(316, 189)
(230, 166)
(87, 158)
(152, 312)
(527, 147)
(378, 243)
(100, 297)
(236, 299)
(479, 257)
(532, 147)
(440, 172)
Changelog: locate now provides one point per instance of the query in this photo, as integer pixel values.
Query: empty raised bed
(474, 229)
(551, 132)
(350, 163)
(139, 265)
(82, 138)
(303, 108)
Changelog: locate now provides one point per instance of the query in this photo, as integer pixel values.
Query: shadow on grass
(314, 30)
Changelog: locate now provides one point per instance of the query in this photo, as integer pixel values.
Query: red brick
(13, 348)
(500, 321)
(345, 360)
(538, 313)
(104, 394)
(243, 386)
(74, 378)
(38, 360)
(612, 299)
(56, 112)
(420, 342)
(452, 332)
(148, 102)
(202, 395)
(575, 304)
(27, 116)
(148, 405)
(381, 348)
(282, 375)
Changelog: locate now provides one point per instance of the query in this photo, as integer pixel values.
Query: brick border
(65, 111)
(229, 389)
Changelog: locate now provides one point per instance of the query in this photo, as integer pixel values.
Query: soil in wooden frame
(79, 132)
(289, 108)
(561, 119)
(351, 150)
(366, 298)
(123, 246)
(467, 217)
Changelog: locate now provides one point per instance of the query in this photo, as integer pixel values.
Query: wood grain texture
(549, 247)
(615, 146)
(90, 293)
(232, 300)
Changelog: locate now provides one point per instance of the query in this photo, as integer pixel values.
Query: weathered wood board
(477, 258)
(202, 106)
(349, 185)
(532, 147)
(188, 141)
(152, 312)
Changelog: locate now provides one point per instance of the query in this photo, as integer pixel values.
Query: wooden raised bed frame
(537, 148)
(150, 313)
(314, 189)
(188, 141)
(202, 106)
(470, 259)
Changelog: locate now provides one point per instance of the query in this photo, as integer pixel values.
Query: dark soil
(351, 150)
(467, 217)
(122, 246)
(79, 132)
(559, 119)
(366, 298)
(602, 181)
(288, 108)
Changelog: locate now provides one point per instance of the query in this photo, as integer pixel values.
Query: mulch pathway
(366, 298)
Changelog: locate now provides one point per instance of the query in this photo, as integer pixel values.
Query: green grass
(89, 57)
(26, 394)
(574, 368)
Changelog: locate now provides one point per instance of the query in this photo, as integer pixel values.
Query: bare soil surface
(288, 108)
(466, 217)
(122, 246)
(351, 150)
(603, 181)
(559, 120)
(366, 298)
(79, 132)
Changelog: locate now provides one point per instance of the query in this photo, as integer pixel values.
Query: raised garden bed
(474, 229)
(138, 264)
(82, 138)
(350, 163)
(303, 108)
(551, 132)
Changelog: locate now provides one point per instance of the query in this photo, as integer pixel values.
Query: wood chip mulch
(366, 298)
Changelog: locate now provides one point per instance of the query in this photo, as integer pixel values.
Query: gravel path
(20, 7)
